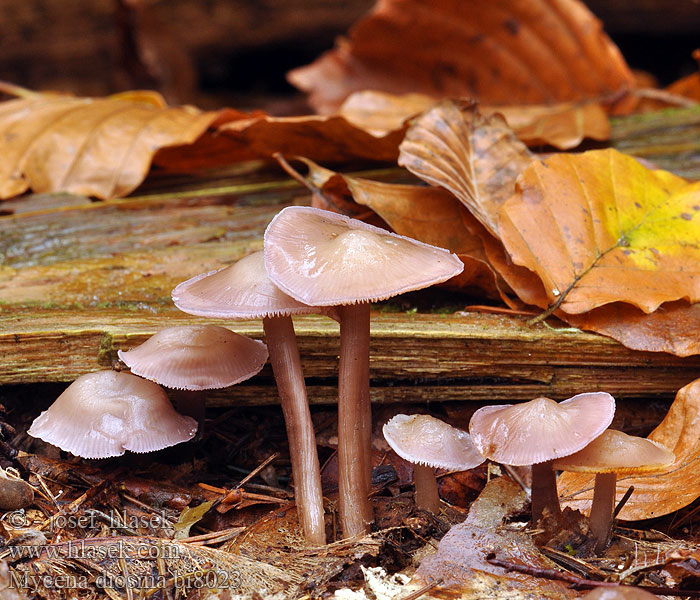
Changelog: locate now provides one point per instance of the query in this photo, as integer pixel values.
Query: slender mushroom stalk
(286, 367)
(428, 443)
(425, 482)
(601, 519)
(611, 454)
(244, 291)
(543, 493)
(539, 431)
(354, 421)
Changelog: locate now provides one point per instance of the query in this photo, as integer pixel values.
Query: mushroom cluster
(571, 435)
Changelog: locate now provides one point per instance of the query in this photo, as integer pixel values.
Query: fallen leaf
(379, 112)
(663, 493)
(564, 125)
(91, 146)
(599, 227)
(476, 158)
(188, 517)
(673, 327)
(460, 564)
(505, 52)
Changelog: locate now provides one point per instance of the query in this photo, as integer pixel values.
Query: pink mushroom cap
(196, 357)
(541, 429)
(103, 414)
(325, 259)
(425, 440)
(240, 291)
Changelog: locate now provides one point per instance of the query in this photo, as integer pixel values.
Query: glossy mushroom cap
(540, 430)
(619, 593)
(325, 259)
(197, 357)
(615, 451)
(105, 413)
(425, 440)
(241, 291)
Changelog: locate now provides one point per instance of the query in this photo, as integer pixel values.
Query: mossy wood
(81, 279)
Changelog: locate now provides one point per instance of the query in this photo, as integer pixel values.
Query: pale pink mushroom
(611, 454)
(196, 358)
(539, 431)
(430, 443)
(322, 258)
(103, 414)
(244, 291)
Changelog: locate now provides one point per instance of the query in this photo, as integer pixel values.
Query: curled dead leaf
(99, 147)
(477, 158)
(599, 227)
(662, 493)
(504, 52)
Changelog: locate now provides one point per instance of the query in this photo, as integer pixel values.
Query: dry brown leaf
(92, 146)
(431, 215)
(663, 493)
(563, 125)
(476, 158)
(674, 327)
(502, 52)
(599, 227)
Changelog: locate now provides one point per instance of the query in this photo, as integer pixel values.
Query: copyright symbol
(16, 518)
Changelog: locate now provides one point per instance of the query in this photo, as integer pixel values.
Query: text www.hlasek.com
(79, 549)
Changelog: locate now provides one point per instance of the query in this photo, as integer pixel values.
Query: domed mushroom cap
(619, 593)
(616, 452)
(325, 259)
(197, 357)
(103, 414)
(241, 291)
(425, 440)
(542, 429)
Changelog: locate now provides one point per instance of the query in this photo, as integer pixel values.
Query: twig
(579, 582)
(424, 590)
(623, 501)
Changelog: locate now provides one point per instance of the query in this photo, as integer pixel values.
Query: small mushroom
(244, 291)
(196, 358)
(322, 258)
(539, 431)
(619, 592)
(611, 454)
(430, 443)
(103, 414)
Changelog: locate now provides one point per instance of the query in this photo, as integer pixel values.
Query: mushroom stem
(286, 367)
(354, 421)
(427, 496)
(544, 490)
(601, 519)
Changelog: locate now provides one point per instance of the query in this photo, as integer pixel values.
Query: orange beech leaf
(674, 327)
(427, 214)
(91, 146)
(476, 158)
(321, 138)
(500, 52)
(661, 493)
(563, 125)
(599, 227)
